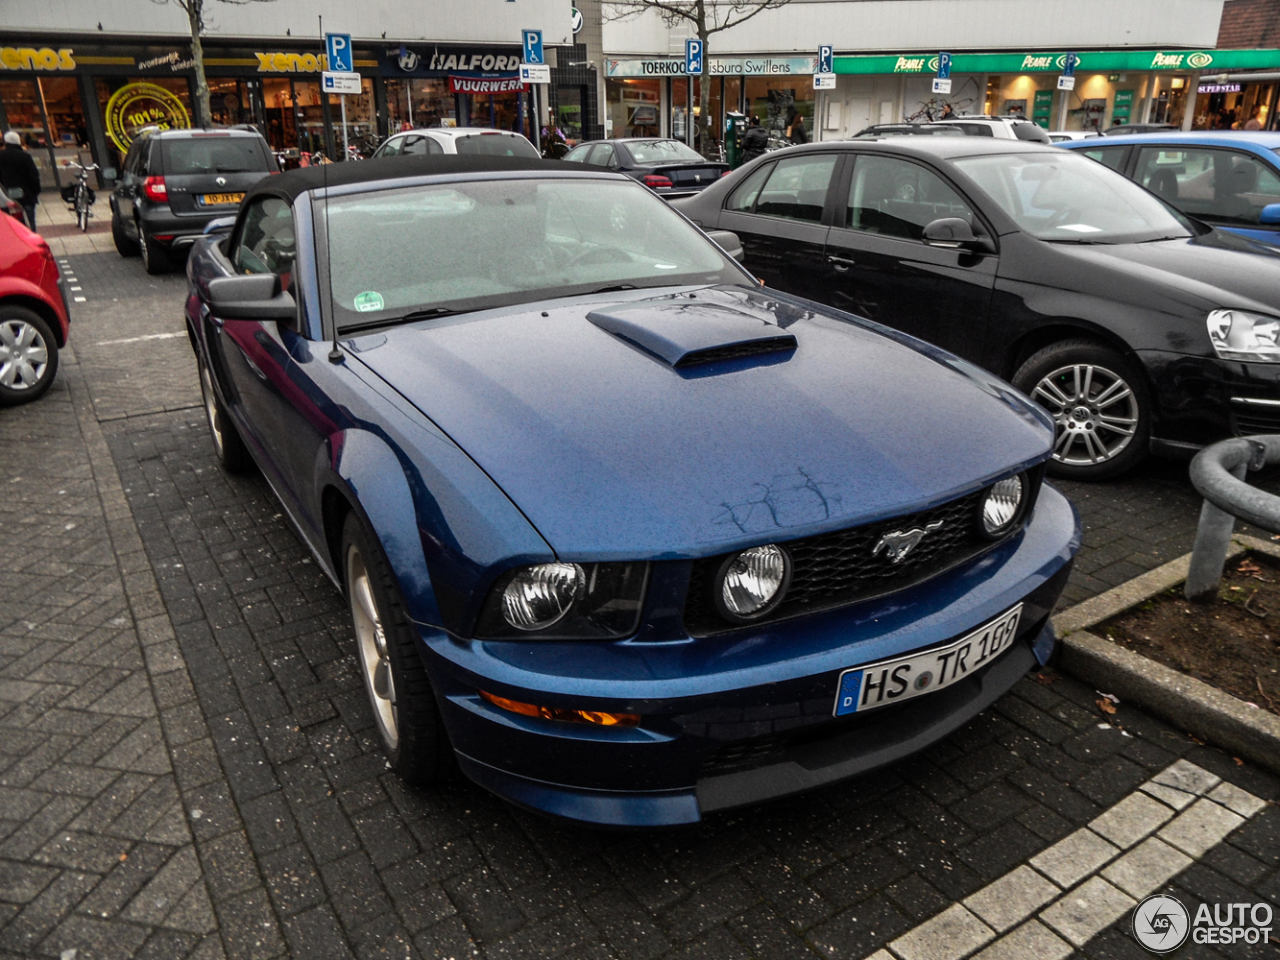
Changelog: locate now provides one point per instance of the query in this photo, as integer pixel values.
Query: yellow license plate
(212, 199)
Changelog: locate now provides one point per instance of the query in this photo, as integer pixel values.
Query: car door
(254, 357)
(781, 215)
(1227, 188)
(603, 156)
(880, 266)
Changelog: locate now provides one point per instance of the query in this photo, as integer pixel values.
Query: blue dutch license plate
(892, 681)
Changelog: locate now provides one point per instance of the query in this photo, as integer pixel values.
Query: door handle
(843, 260)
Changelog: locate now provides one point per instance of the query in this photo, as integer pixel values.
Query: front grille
(1256, 420)
(837, 568)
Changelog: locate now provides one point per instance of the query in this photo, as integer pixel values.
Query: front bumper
(745, 716)
(1200, 400)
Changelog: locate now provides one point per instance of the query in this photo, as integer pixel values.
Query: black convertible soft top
(295, 182)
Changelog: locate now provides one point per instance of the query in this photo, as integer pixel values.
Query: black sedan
(1136, 328)
(667, 167)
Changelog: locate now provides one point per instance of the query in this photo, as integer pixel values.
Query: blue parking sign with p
(338, 48)
(693, 57)
(826, 58)
(944, 66)
(533, 46)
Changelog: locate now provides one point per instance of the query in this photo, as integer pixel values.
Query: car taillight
(725, 173)
(155, 189)
(655, 181)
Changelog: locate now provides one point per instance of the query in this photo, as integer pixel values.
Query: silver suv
(1002, 128)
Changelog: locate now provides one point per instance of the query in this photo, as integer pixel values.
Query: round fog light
(541, 595)
(1001, 507)
(752, 582)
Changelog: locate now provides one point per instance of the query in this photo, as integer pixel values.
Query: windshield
(472, 245)
(213, 154)
(1066, 198)
(661, 151)
(496, 145)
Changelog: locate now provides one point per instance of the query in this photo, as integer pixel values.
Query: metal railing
(1217, 473)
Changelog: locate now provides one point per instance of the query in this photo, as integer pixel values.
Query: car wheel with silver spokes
(1099, 406)
(28, 355)
(399, 691)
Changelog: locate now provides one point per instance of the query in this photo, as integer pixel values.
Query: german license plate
(214, 199)
(892, 681)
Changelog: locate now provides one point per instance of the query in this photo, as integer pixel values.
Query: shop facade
(86, 101)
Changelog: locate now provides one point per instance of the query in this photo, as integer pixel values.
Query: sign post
(942, 82)
(534, 71)
(338, 78)
(1067, 83)
(693, 67)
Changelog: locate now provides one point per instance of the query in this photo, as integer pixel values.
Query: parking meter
(735, 125)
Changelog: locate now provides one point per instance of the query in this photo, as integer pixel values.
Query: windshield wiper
(1082, 242)
(1158, 239)
(614, 288)
(431, 313)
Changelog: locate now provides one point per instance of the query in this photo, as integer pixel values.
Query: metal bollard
(1217, 473)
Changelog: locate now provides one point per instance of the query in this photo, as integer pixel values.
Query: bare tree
(707, 17)
(194, 9)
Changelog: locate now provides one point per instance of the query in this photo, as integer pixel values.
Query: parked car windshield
(468, 246)
(661, 151)
(211, 153)
(496, 145)
(1066, 198)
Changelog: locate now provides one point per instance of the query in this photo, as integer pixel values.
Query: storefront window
(362, 120)
(130, 104)
(634, 107)
(1234, 106)
(413, 104)
(776, 100)
(497, 110)
(569, 111)
(230, 102)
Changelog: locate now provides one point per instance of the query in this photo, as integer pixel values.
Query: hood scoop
(685, 332)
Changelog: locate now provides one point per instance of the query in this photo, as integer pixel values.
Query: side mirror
(954, 233)
(256, 296)
(1270, 214)
(729, 242)
(220, 224)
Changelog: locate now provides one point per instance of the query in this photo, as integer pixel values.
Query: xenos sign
(292, 62)
(32, 58)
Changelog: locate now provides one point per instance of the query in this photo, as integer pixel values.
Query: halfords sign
(721, 66)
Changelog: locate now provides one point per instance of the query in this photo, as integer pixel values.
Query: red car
(33, 314)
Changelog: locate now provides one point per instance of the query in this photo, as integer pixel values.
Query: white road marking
(1030, 912)
(77, 289)
(149, 336)
(80, 299)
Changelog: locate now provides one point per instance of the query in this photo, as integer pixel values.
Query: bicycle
(932, 106)
(79, 196)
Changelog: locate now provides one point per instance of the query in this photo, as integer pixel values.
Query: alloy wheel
(24, 356)
(371, 640)
(1094, 409)
(211, 407)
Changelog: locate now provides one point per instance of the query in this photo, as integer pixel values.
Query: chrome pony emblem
(899, 543)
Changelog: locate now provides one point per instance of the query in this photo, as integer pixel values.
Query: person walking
(19, 176)
(755, 142)
(947, 112)
(795, 129)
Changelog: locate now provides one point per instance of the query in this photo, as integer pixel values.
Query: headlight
(539, 596)
(564, 601)
(1001, 506)
(1240, 335)
(752, 582)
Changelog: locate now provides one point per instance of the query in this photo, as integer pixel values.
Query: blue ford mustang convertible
(629, 535)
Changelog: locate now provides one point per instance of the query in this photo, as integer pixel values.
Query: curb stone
(1187, 703)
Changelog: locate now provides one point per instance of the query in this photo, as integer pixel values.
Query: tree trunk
(704, 86)
(195, 10)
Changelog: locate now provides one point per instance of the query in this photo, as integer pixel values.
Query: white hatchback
(476, 141)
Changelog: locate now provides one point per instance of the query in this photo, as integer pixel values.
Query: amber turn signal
(597, 717)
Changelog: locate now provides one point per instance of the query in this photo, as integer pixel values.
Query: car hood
(605, 429)
(1203, 273)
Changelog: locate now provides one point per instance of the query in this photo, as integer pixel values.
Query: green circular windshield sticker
(369, 300)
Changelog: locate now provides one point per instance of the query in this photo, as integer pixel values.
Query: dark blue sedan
(1227, 178)
(632, 537)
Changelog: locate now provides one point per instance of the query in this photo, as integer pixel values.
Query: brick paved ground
(306, 846)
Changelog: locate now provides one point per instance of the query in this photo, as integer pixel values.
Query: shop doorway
(569, 112)
(294, 119)
(232, 102)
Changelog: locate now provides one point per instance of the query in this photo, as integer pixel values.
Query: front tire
(227, 445)
(124, 246)
(28, 356)
(1100, 407)
(400, 693)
